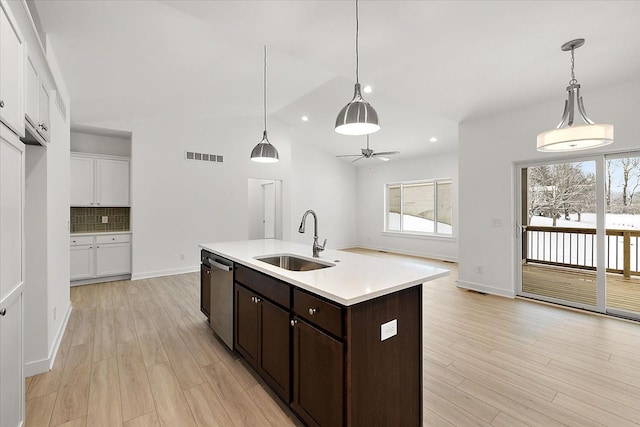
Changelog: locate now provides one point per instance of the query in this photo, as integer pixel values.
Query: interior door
(269, 192)
(562, 233)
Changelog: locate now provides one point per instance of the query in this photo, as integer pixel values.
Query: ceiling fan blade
(350, 155)
(384, 159)
(386, 153)
(361, 157)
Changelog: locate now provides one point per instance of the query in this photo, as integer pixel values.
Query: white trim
(417, 235)
(160, 273)
(99, 280)
(45, 365)
(411, 253)
(485, 289)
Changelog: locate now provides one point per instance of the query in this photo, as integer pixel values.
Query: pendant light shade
(567, 136)
(264, 152)
(358, 117)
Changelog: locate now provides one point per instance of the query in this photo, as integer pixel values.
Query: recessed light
(433, 139)
(367, 89)
(305, 118)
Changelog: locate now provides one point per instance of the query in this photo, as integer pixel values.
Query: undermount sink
(293, 263)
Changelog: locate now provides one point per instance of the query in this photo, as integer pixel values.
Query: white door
(81, 262)
(11, 109)
(113, 182)
(82, 181)
(269, 192)
(11, 375)
(113, 259)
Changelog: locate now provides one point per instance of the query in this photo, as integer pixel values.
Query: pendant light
(567, 136)
(264, 152)
(358, 117)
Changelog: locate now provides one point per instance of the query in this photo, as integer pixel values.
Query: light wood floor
(580, 286)
(140, 354)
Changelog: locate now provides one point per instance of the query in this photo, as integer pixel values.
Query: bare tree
(560, 189)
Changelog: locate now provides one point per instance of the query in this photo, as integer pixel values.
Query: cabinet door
(11, 216)
(31, 94)
(11, 375)
(82, 258)
(82, 183)
(318, 376)
(43, 113)
(274, 340)
(113, 259)
(246, 322)
(11, 66)
(205, 289)
(113, 182)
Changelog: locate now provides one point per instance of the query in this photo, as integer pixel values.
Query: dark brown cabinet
(318, 376)
(263, 338)
(205, 289)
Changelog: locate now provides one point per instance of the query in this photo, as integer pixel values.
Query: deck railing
(576, 248)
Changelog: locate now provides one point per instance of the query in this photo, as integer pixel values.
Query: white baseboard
(486, 289)
(100, 280)
(44, 365)
(412, 253)
(160, 273)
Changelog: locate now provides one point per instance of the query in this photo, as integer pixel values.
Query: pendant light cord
(265, 88)
(357, 31)
(573, 74)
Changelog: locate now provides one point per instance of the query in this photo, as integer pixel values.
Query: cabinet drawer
(113, 238)
(318, 311)
(266, 286)
(81, 240)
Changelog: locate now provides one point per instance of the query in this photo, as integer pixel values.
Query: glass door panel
(622, 202)
(559, 253)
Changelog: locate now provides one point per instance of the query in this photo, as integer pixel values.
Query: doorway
(265, 208)
(580, 232)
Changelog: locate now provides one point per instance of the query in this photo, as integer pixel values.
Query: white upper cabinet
(11, 66)
(36, 110)
(43, 113)
(97, 181)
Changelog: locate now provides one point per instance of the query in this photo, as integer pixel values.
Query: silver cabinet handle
(1, 104)
(313, 311)
(3, 311)
(293, 322)
(113, 238)
(258, 300)
(253, 300)
(74, 241)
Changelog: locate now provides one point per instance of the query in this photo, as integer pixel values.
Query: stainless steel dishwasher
(221, 309)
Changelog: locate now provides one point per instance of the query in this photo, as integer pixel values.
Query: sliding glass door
(580, 233)
(559, 239)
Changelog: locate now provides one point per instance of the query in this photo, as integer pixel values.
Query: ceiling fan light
(264, 152)
(358, 117)
(575, 138)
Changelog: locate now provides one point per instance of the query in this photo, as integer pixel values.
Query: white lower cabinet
(95, 256)
(12, 383)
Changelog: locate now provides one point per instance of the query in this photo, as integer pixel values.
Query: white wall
(489, 150)
(99, 144)
(328, 186)
(371, 205)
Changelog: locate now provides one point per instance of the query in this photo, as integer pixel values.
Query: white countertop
(355, 278)
(93, 233)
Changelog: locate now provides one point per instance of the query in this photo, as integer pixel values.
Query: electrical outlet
(480, 269)
(54, 314)
(105, 219)
(389, 329)
(182, 257)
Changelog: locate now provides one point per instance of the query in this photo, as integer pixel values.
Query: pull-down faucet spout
(316, 247)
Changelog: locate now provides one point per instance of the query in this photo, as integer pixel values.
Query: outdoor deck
(580, 286)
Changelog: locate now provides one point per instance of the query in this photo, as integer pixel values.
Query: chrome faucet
(316, 247)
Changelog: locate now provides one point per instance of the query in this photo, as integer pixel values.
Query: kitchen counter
(354, 278)
(100, 233)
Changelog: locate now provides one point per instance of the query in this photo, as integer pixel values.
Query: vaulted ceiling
(431, 64)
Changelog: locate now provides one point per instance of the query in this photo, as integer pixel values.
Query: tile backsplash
(89, 220)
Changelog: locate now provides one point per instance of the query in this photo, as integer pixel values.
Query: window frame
(428, 234)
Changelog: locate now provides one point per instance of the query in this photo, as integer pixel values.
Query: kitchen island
(341, 344)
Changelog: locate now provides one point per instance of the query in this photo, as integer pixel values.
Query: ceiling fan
(368, 153)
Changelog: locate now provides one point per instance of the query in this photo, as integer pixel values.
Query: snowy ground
(588, 220)
(414, 223)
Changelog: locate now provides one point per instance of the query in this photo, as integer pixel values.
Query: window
(420, 207)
